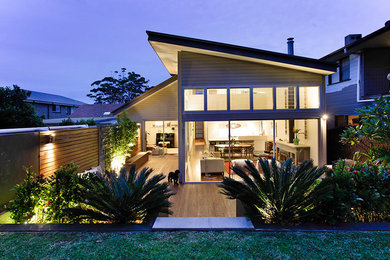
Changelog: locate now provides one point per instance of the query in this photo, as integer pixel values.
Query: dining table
(245, 149)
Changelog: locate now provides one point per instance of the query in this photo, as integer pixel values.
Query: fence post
(102, 152)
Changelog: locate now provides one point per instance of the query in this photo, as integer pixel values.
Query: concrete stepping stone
(204, 223)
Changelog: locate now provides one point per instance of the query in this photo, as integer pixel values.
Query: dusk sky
(62, 46)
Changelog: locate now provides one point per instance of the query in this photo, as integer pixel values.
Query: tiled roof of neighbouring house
(46, 98)
(95, 110)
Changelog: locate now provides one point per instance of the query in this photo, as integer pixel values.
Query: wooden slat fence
(78, 145)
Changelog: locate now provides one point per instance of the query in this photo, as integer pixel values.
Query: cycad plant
(131, 197)
(284, 194)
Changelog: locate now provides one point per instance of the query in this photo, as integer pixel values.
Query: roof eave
(240, 51)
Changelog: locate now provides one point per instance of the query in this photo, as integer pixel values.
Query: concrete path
(205, 223)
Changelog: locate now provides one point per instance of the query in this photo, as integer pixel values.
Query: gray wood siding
(205, 70)
(161, 105)
(341, 98)
(343, 102)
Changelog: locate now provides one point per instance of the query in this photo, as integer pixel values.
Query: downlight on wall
(325, 117)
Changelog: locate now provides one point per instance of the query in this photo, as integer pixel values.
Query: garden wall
(78, 145)
(45, 150)
(16, 151)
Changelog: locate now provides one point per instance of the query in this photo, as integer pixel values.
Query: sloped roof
(46, 98)
(146, 94)
(95, 110)
(167, 47)
(377, 39)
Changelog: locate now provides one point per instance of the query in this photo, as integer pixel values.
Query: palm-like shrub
(282, 195)
(131, 197)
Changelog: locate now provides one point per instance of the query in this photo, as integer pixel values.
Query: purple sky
(62, 46)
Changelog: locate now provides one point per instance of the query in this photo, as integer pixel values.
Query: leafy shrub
(89, 122)
(118, 141)
(67, 121)
(61, 192)
(359, 192)
(28, 195)
(372, 136)
(283, 195)
(40, 200)
(131, 197)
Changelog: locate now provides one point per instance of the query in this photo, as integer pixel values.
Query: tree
(372, 136)
(122, 88)
(15, 111)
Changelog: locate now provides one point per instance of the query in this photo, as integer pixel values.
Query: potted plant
(296, 139)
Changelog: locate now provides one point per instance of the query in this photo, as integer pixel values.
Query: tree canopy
(15, 111)
(121, 88)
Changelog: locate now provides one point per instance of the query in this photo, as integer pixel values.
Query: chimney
(350, 38)
(290, 46)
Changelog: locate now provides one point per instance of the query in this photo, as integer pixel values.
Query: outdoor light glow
(325, 117)
(117, 163)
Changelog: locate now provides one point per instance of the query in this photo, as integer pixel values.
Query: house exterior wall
(159, 106)
(202, 71)
(343, 98)
(205, 70)
(46, 110)
(197, 70)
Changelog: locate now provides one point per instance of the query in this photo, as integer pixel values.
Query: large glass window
(217, 99)
(263, 98)
(213, 147)
(309, 97)
(285, 98)
(239, 99)
(193, 100)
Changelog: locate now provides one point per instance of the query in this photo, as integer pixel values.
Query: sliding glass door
(224, 144)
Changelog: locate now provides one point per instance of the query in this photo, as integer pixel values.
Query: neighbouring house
(52, 106)
(225, 104)
(100, 113)
(95, 110)
(363, 68)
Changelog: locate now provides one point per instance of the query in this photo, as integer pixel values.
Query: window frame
(273, 98)
(207, 109)
(250, 93)
(54, 108)
(184, 101)
(299, 97)
(340, 71)
(296, 98)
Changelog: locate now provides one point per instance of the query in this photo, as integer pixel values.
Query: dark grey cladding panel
(344, 102)
(16, 151)
(205, 70)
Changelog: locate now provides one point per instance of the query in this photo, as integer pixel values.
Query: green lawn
(221, 245)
